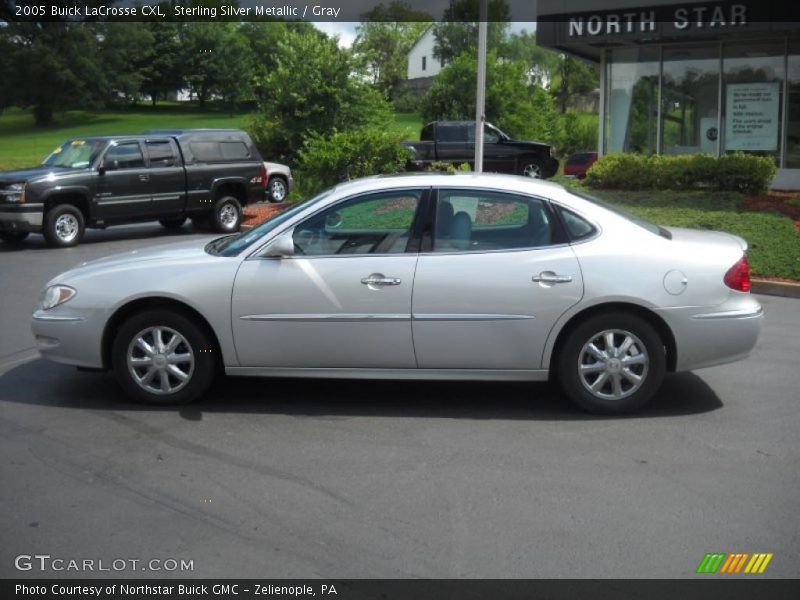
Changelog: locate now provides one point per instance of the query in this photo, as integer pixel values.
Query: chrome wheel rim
(532, 170)
(228, 215)
(278, 190)
(67, 227)
(160, 360)
(613, 364)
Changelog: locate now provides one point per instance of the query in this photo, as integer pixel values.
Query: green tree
(457, 33)
(315, 87)
(384, 38)
(236, 67)
(126, 56)
(167, 66)
(512, 103)
(53, 66)
(572, 76)
(541, 63)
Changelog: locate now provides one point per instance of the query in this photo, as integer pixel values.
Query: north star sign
(683, 18)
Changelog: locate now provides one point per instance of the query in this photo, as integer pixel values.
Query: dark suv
(207, 175)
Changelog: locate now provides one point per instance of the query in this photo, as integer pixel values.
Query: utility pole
(480, 104)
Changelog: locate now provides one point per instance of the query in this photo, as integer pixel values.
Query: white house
(421, 62)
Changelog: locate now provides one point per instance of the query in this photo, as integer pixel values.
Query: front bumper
(21, 217)
(708, 337)
(72, 337)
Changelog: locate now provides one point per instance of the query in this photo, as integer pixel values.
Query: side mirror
(281, 247)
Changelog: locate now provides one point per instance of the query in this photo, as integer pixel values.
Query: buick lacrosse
(429, 276)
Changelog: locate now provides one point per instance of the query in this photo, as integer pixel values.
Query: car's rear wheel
(612, 363)
(227, 215)
(162, 357)
(277, 189)
(532, 168)
(13, 237)
(173, 222)
(63, 226)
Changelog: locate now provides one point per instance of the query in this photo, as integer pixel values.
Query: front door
(343, 300)
(496, 280)
(123, 188)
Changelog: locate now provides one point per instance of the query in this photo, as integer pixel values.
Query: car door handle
(379, 280)
(550, 277)
(144, 177)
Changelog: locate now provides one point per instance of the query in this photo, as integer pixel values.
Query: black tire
(196, 342)
(13, 237)
(227, 215)
(64, 226)
(277, 189)
(531, 167)
(645, 357)
(173, 222)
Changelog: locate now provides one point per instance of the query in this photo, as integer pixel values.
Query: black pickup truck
(454, 142)
(207, 175)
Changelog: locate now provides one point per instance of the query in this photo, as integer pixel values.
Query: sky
(347, 30)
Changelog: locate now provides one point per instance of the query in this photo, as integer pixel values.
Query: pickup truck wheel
(276, 189)
(173, 223)
(13, 237)
(161, 357)
(532, 168)
(63, 226)
(227, 215)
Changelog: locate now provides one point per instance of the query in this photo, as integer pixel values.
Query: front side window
(475, 221)
(127, 155)
(375, 224)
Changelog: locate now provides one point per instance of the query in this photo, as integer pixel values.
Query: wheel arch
(662, 328)
(127, 310)
(231, 187)
(76, 197)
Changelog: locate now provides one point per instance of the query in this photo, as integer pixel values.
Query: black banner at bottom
(401, 589)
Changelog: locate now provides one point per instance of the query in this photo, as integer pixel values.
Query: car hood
(21, 175)
(188, 252)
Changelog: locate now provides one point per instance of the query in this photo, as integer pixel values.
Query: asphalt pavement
(293, 478)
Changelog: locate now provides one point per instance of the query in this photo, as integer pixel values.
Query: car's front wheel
(162, 357)
(612, 363)
(63, 226)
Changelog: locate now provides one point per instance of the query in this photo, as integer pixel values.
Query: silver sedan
(481, 277)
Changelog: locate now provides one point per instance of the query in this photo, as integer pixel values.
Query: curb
(775, 288)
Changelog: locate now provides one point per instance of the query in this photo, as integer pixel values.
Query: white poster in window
(752, 116)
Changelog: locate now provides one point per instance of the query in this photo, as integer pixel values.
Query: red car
(578, 163)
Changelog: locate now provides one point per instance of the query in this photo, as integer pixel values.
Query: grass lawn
(22, 144)
(408, 124)
(774, 241)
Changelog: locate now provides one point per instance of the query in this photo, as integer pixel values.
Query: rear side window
(234, 150)
(452, 133)
(206, 151)
(161, 153)
(579, 159)
(578, 228)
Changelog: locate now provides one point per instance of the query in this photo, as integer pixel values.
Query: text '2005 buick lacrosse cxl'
(430, 276)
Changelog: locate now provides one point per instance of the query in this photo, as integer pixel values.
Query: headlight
(14, 193)
(55, 295)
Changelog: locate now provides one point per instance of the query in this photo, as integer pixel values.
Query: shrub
(575, 134)
(407, 101)
(446, 167)
(327, 160)
(738, 172)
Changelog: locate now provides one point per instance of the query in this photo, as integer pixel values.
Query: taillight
(738, 276)
(264, 175)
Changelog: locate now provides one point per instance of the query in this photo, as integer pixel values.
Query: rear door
(167, 176)
(123, 188)
(496, 278)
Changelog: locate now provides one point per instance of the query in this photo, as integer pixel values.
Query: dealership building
(689, 77)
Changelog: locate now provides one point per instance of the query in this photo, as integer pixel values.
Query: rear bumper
(22, 217)
(707, 337)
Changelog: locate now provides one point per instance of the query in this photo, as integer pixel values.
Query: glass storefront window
(792, 160)
(632, 100)
(752, 98)
(689, 97)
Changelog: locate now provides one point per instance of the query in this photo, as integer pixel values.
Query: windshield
(651, 227)
(75, 154)
(234, 244)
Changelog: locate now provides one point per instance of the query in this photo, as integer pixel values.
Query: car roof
(497, 181)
